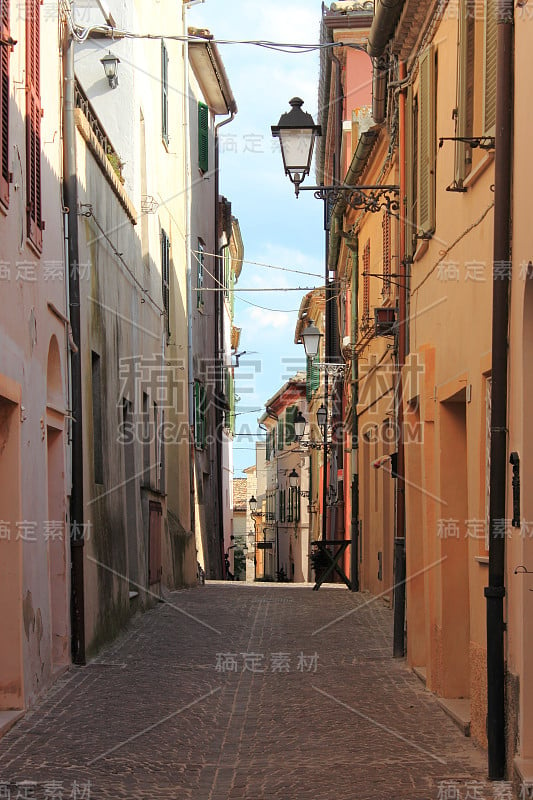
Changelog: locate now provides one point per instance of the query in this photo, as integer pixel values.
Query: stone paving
(256, 692)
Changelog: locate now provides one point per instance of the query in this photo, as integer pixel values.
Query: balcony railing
(84, 104)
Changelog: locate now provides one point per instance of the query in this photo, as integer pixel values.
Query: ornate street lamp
(299, 425)
(252, 502)
(294, 479)
(322, 416)
(310, 337)
(296, 132)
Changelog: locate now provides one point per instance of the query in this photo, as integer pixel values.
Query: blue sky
(277, 228)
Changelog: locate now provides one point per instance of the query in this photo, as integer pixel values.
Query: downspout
(332, 329)
(399, 537)
(189, 248)
(70, 201)
(354, 572)
(495, 591)
(219, 342)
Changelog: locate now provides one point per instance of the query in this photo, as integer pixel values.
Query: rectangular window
(200, 418)
(146, 439)
(365, 318)
(157, 447)
(33, 123)
(427, 143)
(164, 93)
(4, 101)
(386, 256)
(203, 137)
(98, 445)
(200, 275)
(165, 276)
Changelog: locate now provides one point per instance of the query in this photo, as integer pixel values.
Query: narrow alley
(233, 691)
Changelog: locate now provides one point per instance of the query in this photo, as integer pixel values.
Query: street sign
(264, 545)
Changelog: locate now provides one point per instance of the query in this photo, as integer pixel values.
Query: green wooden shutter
(427, 143)
(203, 137)
(280, 434)
(489, 60)
(290, 416)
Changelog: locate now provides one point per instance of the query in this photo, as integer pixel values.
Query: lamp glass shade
(321, 416)
(253, 504)
(294, 479)
(299, 425)
(311, 339)
(296, 131)
(297, 150)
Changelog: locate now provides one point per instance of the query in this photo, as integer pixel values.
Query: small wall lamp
(110, 64)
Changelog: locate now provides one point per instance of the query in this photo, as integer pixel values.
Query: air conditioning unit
(385, 321)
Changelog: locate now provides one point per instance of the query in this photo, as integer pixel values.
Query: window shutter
(366, 285)
(203, 137)
(165, 276)
(489, 88)
(386, 255)
(427, 143)
(290, 416)
(410, 175)
(164, 93)
(465, 88)
(33, 123)
(280, 434)
(4, 101)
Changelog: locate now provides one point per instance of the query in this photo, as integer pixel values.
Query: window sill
(482, 560)
(421, 249)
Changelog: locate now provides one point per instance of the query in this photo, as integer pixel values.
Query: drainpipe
(354, 572)
(70, 201)
(219, 341)
(495, 591)
(399, 538)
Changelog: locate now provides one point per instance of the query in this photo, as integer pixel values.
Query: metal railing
(84, 104)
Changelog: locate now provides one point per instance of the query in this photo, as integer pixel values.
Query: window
(203, 137)
(366, 286)
(33, 123)
(427, 143)
(98, 445)
(146, 438)
(165, 276)
(386, 256)
(200, 275)
(200, 418)
(4, 101)
(227, 272)
(164, 93)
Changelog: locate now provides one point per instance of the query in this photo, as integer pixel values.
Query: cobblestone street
(258, 692)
